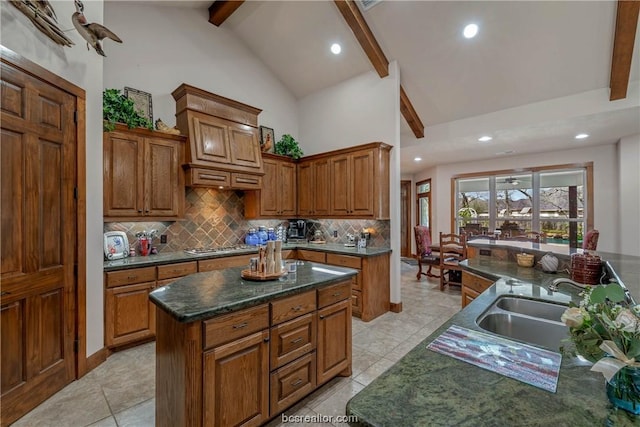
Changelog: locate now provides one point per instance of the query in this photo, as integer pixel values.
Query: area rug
(531, 365)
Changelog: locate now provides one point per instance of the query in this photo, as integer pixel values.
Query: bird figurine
(162, 127)
(92, 32)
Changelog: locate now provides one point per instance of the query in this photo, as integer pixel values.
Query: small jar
(262, 234)
(252, 238)
(271, 233)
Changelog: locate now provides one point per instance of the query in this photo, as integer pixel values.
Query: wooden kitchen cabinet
(334, 337)
(472, 286)
(277, 198)
(129, 315)
(143, 178)
(313, 187)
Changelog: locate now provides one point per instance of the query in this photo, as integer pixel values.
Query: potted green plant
(288, 146)
(117, 108)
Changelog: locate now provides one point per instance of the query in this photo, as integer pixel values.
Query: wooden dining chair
(425, 255)
(453, 250)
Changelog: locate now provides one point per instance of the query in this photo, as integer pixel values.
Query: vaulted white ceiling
(536, 74)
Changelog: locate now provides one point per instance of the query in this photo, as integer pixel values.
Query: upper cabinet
(348, 183)
(277, 198)
(223, 150)
(143, 179)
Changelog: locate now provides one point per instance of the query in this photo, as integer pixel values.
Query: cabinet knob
(139, 210)
(266, 339)
(321, 316)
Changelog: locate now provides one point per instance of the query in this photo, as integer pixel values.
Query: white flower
(572, 317)
(626, 321)
(636, 309)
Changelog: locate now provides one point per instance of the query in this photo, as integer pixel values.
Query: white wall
(84, 69)
(164, 47)
(363, 109)
(605, 177)
(629, 195)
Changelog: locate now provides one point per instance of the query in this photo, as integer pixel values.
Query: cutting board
(531, 365)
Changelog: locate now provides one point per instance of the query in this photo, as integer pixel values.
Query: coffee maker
(297, 229)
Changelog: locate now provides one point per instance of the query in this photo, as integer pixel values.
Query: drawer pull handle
(5, 293)
(297, 382)
(337, 294)
(297, 340)
(240, 326)
(132, 277)
(296, 308)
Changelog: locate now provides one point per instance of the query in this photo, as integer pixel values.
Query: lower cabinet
(472, 286)
(334, 341)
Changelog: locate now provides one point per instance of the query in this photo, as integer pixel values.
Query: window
(423, 199)
(551, 200)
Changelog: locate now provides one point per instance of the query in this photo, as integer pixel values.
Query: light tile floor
(120, 392)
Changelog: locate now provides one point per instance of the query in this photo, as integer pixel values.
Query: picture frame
(267, 139)
(142, 101)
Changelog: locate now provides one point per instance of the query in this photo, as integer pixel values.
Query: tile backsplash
(215, 218)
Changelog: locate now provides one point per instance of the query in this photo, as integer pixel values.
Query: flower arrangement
(605, 329)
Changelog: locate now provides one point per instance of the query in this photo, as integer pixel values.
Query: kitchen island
(231, 351)
(426, 388)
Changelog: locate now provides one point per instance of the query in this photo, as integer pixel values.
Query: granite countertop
(181, 256)
(426, 388)
(203, 295)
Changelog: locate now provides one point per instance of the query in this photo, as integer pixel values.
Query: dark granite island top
(426, 388)
(204, 295)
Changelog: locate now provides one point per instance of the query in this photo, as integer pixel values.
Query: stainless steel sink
(532, 321)
(539, 309)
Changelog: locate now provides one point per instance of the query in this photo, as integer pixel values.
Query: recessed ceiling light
(470, 31)
(485, 138)
(417, 159)
(336, 48)
(582, 136)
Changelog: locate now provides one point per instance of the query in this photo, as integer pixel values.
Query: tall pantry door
(38, 241)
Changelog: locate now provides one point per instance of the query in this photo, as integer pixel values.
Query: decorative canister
(586, 268)
(262, 234)
(549, 263)
(252, 238)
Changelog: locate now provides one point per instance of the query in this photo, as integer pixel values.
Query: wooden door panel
(211, 137)
(245, 150)
(287, 189)
(38, 214)
(123, 183)
(362, 183)
(269, 192)
(306, 188)
(11, 147)
(322, 201)
(162, 159)
(340, 184)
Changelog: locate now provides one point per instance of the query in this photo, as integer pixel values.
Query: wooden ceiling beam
(625, 34)
(220, 10)
(364, 35)
(410, 115)
(355, 20)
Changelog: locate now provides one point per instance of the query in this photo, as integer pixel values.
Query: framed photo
(267, 139)
(142, 101)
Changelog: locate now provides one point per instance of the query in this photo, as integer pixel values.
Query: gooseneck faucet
(553, 287)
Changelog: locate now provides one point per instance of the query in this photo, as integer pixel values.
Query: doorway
(405, 218)
(41, 250)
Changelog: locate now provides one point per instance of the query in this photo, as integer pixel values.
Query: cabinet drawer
(222, 263)
(177, 270)
(292, 382)
(356, 282)
(229, 327)
(128, 277)
(334, 293)
(356, 302)
(292, 339)
(312, 256)
(208, 177)
(345, 261)
(246, 182)
(293, 306)
(477, 283)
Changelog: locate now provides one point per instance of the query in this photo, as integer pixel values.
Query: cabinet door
(334, 341)
(163, 192)
(123, 184)
(340, 186)
(287, 189)
(210, 139)
(362, 181)
(269, 192)
(468, 295)
(236, 382)
(129, 315)
(306, 188)
(244, 145)
(322, 188)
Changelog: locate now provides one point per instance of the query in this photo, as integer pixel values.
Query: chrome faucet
(553, 287)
